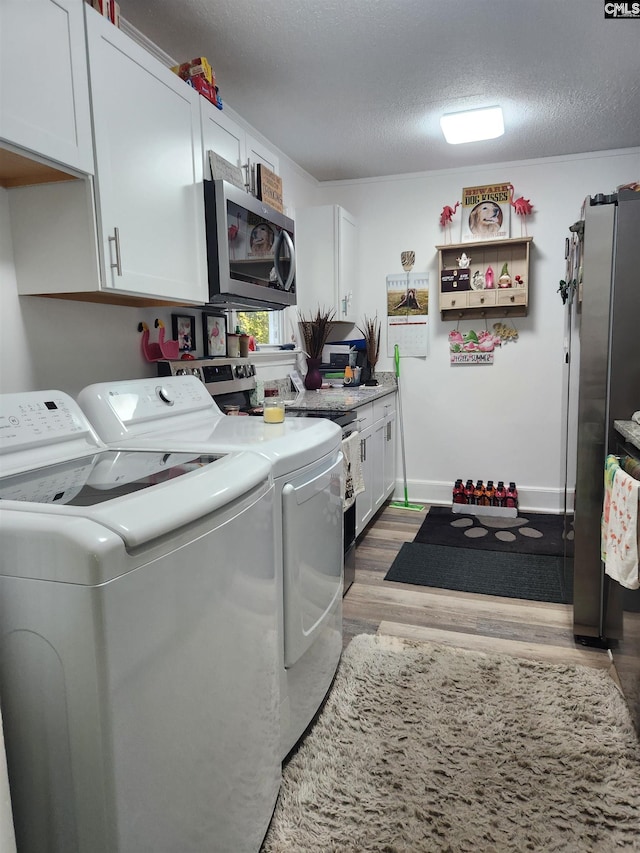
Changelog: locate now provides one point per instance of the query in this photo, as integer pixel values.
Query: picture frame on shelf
(183, 328)
(486, 213)
(214, 334)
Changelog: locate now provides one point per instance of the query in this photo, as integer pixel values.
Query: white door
(312, 510)
(364, 501)
(149, 169)
(347, 265)
(222, 135)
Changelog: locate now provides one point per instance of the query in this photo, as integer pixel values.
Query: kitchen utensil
(407, 259)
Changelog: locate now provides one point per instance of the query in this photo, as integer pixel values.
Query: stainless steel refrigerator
(602, 374)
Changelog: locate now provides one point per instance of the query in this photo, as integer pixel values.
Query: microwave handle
(284, 235)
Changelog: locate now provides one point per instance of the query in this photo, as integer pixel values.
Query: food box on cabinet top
(198, 67)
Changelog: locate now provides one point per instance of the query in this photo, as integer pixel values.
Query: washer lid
(288, 446)
(139, 495)
(177, 412)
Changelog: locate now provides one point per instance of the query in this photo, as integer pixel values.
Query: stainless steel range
(220, 375)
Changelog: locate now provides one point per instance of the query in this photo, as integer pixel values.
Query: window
(265, 326)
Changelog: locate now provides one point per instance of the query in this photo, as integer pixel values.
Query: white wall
(500, 421)
(491, 422)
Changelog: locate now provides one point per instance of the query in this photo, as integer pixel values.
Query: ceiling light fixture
(472, 125)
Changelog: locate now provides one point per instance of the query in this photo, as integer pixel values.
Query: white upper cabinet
(134, 235)
(222, 135)
(148, 149)
(44, 96)
(326, 249)
(226, 137)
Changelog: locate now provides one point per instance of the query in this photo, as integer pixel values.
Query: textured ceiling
(355, 88)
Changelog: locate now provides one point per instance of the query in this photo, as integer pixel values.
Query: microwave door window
(252, 240)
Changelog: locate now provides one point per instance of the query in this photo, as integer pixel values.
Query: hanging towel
(353, 481)
(611, 465)
(620, 525)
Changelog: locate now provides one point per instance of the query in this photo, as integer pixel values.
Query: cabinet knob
(513, 299)
(482, 300)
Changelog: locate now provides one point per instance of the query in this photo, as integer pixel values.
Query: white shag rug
(428, 748)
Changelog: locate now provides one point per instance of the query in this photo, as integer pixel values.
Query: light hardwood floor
(482, 622)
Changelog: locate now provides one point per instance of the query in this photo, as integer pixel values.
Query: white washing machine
(307, 465)
(138, 643)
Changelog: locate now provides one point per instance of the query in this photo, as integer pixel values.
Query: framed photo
(486, 213)
(183, 327)
(214, 334)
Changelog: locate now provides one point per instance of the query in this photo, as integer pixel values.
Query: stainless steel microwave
(250, 250)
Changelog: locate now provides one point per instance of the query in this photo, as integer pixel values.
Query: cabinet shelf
(486, 302)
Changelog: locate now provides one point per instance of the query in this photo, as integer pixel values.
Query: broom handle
(396, 358)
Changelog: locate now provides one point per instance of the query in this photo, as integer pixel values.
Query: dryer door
(312, 514)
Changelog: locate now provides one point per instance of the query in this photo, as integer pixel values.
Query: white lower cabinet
(377, 427)
(389, 452)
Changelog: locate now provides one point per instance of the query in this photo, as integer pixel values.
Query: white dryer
(138, 642)
(307, 465)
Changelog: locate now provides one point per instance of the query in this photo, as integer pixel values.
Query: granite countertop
(630, 431)
(346, 397)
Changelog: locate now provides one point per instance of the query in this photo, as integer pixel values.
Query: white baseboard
(530, 498)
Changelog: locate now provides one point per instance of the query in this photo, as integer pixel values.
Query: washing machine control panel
(38, 417)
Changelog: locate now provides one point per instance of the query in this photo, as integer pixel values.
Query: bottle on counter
(500, 496)
(478, 493)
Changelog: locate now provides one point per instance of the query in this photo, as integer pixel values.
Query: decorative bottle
(478, 493)
(490, 493)
(512, 496)
(458, 493)
(500, 496)
(468, 492)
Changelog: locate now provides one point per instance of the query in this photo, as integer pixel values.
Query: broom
(400, 504)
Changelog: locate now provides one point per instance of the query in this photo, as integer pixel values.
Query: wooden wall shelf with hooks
(456, 304)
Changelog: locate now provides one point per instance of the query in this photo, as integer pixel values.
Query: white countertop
(345, 397)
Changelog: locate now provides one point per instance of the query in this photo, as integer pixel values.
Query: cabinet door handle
(363, 450)
(116, 241)
(389, 431)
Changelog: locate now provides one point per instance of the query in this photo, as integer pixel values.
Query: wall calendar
(408, 314)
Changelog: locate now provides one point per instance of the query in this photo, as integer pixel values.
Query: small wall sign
(269, 189)
(223, 170)
(472, 347)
